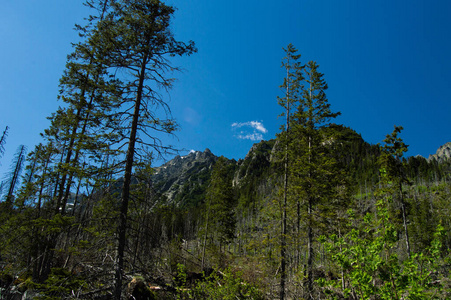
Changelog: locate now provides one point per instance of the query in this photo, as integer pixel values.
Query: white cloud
(251, 136)
(254, 124)
(252, 130)
(191, 116)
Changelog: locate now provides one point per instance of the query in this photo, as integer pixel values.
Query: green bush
(371, 269)
(225, 285)
(60, 284)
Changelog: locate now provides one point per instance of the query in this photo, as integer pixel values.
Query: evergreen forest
(316, 213)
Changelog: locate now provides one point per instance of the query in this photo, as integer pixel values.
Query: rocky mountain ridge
(183, 181)
(443, 153)
(190, 172)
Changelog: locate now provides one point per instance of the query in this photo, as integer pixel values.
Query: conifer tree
(309, 165)
(13, 178)
(44, 156)
(77, 129)
(90, 94)
(312, 168)
(2, 151)
(291, 86)
(3, 141)
(139, 42)
(220, 221)
(26, 192)
(392, 163)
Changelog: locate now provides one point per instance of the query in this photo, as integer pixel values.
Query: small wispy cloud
(191, 116)
(252, 130)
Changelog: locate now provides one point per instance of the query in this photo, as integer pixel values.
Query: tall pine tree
(140, 42)
(394, 166)
(220, 221)
(13, 178)
(291, 86)
(3, 141)
(312, 167)
(309, 165)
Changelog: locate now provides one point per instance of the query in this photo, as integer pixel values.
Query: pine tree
(76, 135)
(139, 41)
(220, 221)
(3, 141)
(313, 168)
(311, 175)
(291, 87)
(393, 165)
(90, 94)
(13, 179)
(2, 151)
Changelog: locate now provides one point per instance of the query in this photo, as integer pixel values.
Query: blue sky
(386, 63)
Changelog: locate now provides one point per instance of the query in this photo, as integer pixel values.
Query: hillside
(201, 212)
(183, 181)
(316, 213)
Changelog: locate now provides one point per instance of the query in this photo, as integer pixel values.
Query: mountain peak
(183, 176)
(443, 153)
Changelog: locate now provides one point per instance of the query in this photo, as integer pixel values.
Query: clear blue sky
(386, 63)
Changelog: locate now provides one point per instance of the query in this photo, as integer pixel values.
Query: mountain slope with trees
(315, 213)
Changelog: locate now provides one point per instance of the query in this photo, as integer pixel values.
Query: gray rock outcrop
(443, 153)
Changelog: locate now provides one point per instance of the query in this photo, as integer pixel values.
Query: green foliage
(6, 279)
(61, 283)
(220, 203)
(124, 56)
(369, 265)
(54, 225)
(193, 192)
(180, 278)
(391, 158)
(227, 285)
(138, 289)
(13, 179)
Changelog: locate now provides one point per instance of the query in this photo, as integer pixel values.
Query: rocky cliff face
(256, 162)
(184, 179)
(184, 176)
(443, 153)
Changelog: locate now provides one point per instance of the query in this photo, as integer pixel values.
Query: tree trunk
(310, 252)
(205, 242)
(126, 186)
(285, 200)
(63, 196)
(15, 177)
(404, 219)
(58, 207)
